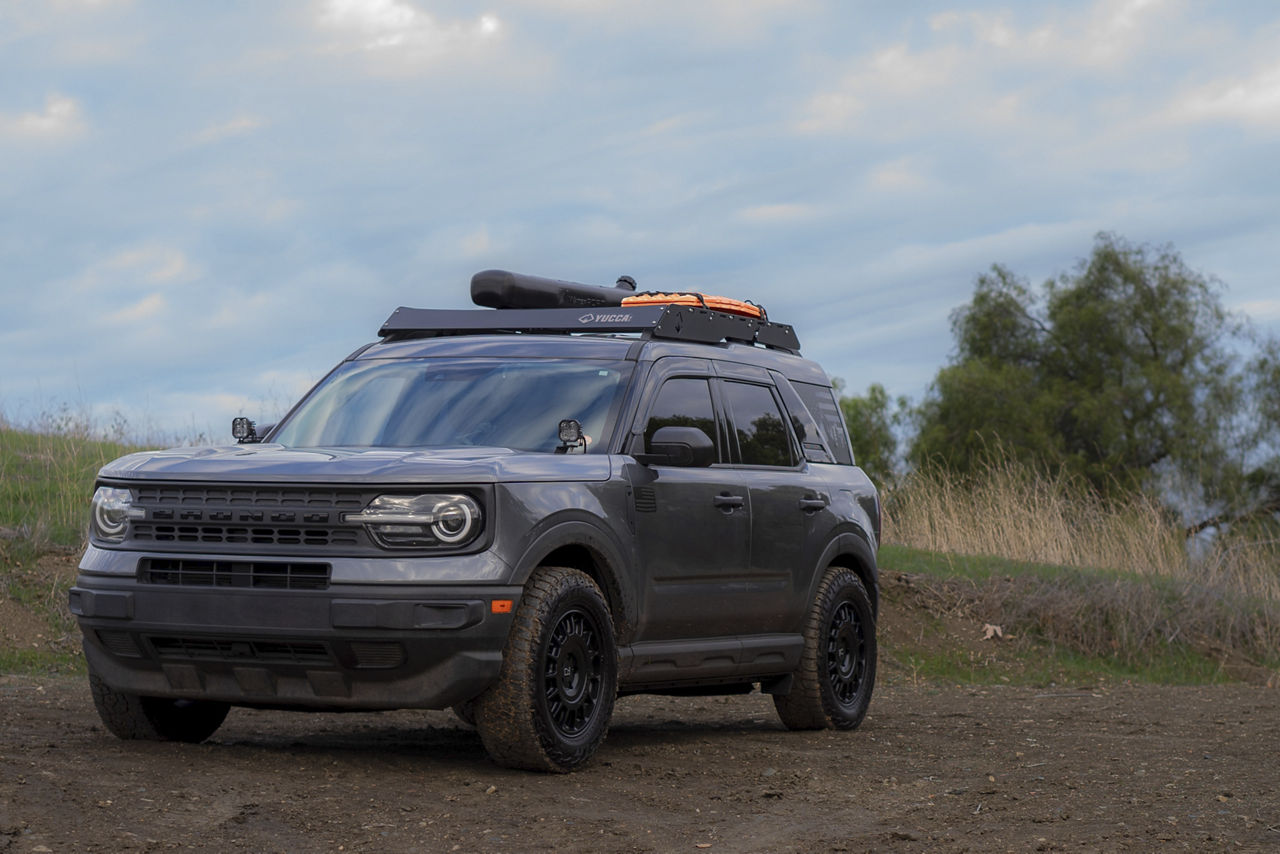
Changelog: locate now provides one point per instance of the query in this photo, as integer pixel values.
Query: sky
(204, 206)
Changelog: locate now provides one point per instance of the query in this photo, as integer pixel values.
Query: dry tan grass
(1011, 512)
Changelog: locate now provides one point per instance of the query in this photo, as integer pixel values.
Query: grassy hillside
(45, 483)
(966, 597)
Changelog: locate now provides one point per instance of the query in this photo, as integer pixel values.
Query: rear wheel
(550, 708)
(130, 716)
(832, 689)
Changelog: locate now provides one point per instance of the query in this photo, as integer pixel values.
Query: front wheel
(130, 716)
(832, 688)
(550, 708)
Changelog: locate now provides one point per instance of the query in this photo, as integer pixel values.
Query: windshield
(415, 403)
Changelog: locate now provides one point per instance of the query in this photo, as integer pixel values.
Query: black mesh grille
(248, 518)
(237, 650)
(250, 496)
(148, 532)
(228, 573)
(377, 655)
(120, 643)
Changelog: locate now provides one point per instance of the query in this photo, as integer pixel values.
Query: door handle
(729, 502)
(812, 505)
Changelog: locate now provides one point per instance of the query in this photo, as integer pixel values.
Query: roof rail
(676, 322)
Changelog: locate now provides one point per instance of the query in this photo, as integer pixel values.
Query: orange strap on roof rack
(746, 308)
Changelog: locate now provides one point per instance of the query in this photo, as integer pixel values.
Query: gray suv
(517, 512)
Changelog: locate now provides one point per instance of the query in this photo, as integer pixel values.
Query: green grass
(982, 567)
(1042, 664)
(40, 662)
(1079, 625)
(46, 481)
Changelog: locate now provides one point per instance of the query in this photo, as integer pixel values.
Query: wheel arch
(853, 552)
(580, 545)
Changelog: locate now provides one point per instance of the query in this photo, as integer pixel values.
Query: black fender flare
(608, 556)
(852, 544)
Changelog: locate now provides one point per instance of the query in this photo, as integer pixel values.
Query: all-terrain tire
(550, 707)
(832, 688)
(129, 716)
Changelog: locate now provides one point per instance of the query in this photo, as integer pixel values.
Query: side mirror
(687, 447)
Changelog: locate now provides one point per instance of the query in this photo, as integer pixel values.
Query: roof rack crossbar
(677, 322)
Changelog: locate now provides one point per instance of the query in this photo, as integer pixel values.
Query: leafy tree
(870, 424)
(1124, 371)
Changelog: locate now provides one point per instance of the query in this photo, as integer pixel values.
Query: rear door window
(763, 437)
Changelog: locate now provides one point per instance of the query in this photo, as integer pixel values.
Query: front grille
(240, 651)
(250, 496)
(248, 518)
(255, 536)
(228, 573)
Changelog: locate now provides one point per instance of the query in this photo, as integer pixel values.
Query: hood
(278, 464)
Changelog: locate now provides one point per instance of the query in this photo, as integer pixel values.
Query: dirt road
(995, 769)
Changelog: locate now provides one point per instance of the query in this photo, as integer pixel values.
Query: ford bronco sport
(521, 512)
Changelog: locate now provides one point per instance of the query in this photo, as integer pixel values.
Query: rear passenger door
(787, 500)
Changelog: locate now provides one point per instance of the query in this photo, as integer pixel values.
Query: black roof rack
(678, 322)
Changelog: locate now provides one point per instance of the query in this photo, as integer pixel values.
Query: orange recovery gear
(746, 308)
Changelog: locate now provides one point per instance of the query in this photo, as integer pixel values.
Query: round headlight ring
(110, 513)
(454, 521)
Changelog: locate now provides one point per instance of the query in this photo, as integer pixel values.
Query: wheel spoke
(572, 672)
(846, 653)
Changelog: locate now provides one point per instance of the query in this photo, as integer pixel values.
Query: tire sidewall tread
(811, 704)
(507, 717)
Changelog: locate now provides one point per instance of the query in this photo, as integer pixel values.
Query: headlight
(112, 509)
(415, 521)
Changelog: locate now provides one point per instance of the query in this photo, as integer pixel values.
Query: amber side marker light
(501, 606)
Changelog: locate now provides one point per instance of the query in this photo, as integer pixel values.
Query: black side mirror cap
(685, 447)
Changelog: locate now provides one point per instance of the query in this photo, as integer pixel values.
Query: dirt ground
(1128, 768)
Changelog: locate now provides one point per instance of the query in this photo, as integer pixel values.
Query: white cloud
(128, 270)
(61, 118)
(971, 255)
(978, 68)
(1252, 100)
(155, 264)
(145, 309)
(893, 76)
(393, 25)
(770, 214)
(237, 126)
(714, 21)
(1264, 310)
(477, 243)
(1107, 34)
(902, 174)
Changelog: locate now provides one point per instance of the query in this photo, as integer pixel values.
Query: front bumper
(350, 646)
